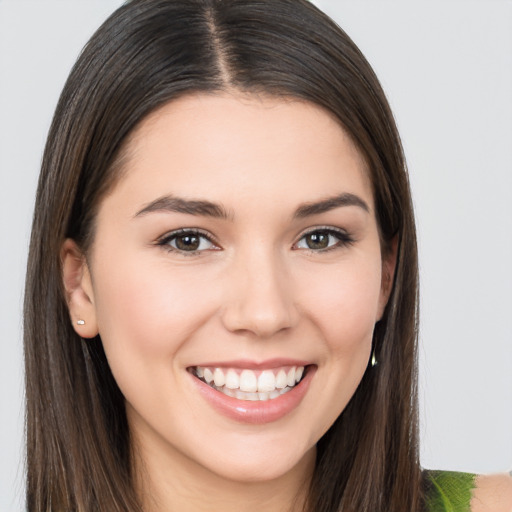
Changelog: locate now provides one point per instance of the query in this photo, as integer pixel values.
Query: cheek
(344, 304)
(344, 311)
(147, 311)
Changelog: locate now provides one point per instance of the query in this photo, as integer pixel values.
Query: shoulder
(492, 493)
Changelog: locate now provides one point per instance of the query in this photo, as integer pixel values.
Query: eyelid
(344, 237)
(164, 240)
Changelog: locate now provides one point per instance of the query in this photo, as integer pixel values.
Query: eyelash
(166, 240)
(344, 239)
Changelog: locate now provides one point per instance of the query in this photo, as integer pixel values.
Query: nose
(260, 298)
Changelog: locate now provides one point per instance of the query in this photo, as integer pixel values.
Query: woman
(223, 194)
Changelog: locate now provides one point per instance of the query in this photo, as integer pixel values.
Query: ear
(79, 291)
(388, 273)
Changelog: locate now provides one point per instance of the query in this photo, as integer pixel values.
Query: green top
(448, 491)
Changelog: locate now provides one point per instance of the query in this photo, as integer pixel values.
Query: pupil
(187, 242)
(318, 241)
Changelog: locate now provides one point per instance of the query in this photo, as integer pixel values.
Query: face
(235, 279)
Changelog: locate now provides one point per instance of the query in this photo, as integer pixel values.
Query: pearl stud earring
(80, 322)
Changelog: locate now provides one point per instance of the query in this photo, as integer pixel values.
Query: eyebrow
(205, 208)
(330, 203)
(179, 205)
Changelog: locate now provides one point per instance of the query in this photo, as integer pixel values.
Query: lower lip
(257, 412)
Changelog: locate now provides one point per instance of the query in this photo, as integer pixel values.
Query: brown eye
(317, 240)
(187, 241)
(324, 239)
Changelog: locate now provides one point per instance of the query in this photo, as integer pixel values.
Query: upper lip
(255, 365)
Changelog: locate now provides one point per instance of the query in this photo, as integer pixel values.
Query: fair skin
(493, 493)
(259, 282)
(252, 295)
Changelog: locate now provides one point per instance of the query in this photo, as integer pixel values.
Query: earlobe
(388, 274)
(78, 288)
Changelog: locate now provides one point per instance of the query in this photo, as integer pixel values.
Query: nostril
(258, 322)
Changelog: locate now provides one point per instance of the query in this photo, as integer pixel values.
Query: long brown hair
(146, 54)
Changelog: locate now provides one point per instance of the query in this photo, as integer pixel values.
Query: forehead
(228, 145)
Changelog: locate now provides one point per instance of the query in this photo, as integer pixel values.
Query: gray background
(447, 68)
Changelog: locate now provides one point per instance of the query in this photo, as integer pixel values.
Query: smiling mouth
(245, 384)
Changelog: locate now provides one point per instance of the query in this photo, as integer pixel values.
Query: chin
(263, 468)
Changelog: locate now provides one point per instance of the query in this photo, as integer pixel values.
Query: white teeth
(281, 379)
(242, 395)
(290, 378)
(229, 392)
(252, 397)
(247, 385)
(232, 380)
(266, 381)
(208, 375)
(248, 381)
(218, 377)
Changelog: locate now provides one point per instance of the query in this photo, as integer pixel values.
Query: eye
(323, 239)
(186, 240)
